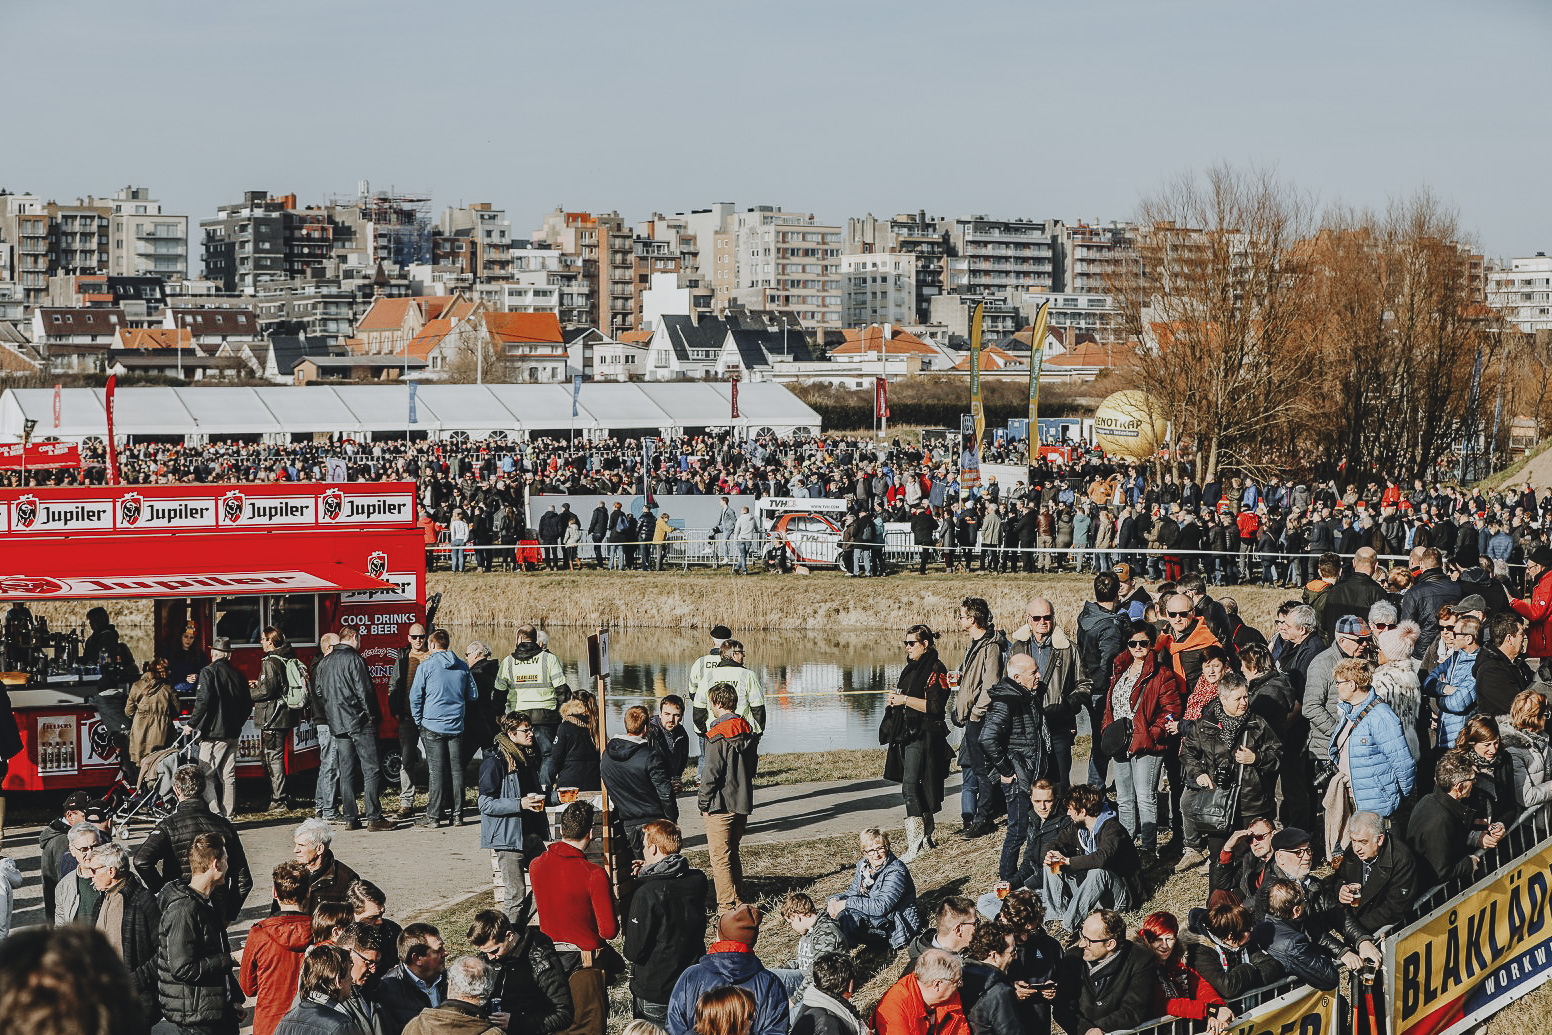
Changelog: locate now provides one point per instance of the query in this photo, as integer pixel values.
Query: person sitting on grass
(1092, 864)
(818, 933)
(925, 1001)
(881, 901)
(731, 961)
(991, 1004)
(951, 930)
(826, 1005)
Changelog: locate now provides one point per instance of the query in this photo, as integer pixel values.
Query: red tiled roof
(993, 358)
(387, 314)
(524, 327)
(430, 336)
(1093, 354)
(155, 338)
(901, 343)
(636, 337)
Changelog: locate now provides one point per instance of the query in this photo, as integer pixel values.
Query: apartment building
(912, 234)
(1522, 293)
(602, 249)
(476, 239)
(879, 287)
(263, 238)
(788, 261)
(24, 244)
(1000, 256)
(144, 241)
(1088, 256)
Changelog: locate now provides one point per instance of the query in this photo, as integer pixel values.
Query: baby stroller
(151, 799)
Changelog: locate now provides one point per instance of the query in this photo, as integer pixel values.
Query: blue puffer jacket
(1457, 670)
(442, 691)
(716, 969)
(1381, 764)
(890, 903)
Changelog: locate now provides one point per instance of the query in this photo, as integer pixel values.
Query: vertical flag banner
(576, 393)
(413, 385)
(1036, 358)
(880, 397)
(977, 406)
(734, 382)
(113, 449)
(58, 404)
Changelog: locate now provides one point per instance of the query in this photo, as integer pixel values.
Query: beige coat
(152, 707)
(981, 669)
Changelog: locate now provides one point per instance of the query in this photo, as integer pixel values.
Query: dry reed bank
(827, 600)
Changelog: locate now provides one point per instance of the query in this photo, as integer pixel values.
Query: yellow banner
(1475, 954)
(1304, 1011)
(977, 407)
(1036, 358)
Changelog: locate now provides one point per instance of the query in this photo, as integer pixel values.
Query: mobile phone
(493, 1005)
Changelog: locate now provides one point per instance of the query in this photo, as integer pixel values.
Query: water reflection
(822, 691)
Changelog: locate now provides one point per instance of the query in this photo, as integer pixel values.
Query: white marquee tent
(199, 414)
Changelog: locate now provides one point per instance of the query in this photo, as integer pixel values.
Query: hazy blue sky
(1070, 110)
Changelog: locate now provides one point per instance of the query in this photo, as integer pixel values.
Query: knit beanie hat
(742, 925)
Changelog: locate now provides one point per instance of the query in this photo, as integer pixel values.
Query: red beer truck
(224, 560)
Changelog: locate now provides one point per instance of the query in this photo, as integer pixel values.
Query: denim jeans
(1016, 795)
(444, 763)
(458, 554)
(351, 750)
(544, 743)
(972, 789)
(657, 1013)
(744, 547)
(328, 775)
(864, 561)
(1071, 897)
(1137, 797)
(616, 557)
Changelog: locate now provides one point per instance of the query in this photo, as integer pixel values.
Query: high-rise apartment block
(144, 241)
(787, 261)
(913, 234)
(1000, 256)
(879, 287)
(264, 238)
(476, 240)
(1523, 292)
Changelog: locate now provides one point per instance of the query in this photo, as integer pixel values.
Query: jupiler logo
(377, 564)
(29, 585)
(130, 509)
(232, 507)
(27, 511)
(333, 504)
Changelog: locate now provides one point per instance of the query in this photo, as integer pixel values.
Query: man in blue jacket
(730, 960)
(439, 699)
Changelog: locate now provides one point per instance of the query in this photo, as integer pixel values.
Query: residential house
(391, 324)
(531, 345)
(75, 340)
(355, 367)
(220, 331)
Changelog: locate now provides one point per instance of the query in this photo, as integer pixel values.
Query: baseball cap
(1289, 838)
(95, 812)
(77, 801)
(1122, 572)
(1352, 625)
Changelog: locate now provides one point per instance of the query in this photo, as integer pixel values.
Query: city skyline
(841, 110)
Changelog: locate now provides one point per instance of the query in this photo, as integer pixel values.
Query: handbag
(1115, 740)
(891, 725)
(1213, 810)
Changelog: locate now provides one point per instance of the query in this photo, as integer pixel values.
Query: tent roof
(217, 412)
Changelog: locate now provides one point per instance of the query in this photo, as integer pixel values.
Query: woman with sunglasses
(916, 729)
(1145, 694)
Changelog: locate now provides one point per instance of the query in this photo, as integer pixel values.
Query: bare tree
(1215, 292)
(473, 356)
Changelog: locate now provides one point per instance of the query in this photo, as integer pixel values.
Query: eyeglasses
(912, 643)
(1304, 853)
(524, 731)
(417, 636)
(1383, 625)
(1094, 941)
(1041, 618)
(1134, 644)
(1262, 837)
(370, 963)
(1178, 614)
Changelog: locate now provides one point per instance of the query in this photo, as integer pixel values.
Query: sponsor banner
(784, 504)
(39, 456)
(89, 757)
(28, 587)
(407, 583)
(1475, 954)
(222, 508)
(1307, 1011)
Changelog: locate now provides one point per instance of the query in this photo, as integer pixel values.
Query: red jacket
(1157, 694)
(903, 1011)
(1249, 524)
(1199, 995)
(573, 897)
(272, 966)
(1538, 609)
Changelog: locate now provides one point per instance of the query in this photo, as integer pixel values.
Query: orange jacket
(903, 1011)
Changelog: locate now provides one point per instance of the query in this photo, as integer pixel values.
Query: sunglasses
(1382, 625)
(1040, 618)
(1178, 614)
(1135, 644)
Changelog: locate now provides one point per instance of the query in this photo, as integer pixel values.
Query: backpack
(296, 684)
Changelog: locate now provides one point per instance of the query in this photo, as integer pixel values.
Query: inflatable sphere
(1129, 425)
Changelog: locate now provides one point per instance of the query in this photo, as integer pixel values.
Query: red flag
(113, 449)
(735, 398)
(57, 405)
(880, 397)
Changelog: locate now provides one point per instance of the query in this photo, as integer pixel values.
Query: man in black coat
(1443, 828)
(54, 844)
(1106, 983)
(222, 705)
(1014, 743)
(163, 857)
(1376, 884)
(1500, 669)
(1352, 594)
(665, 929)
(195, 984)
(1431, 590)
(637, 782)
(350, 706)
(399, 997)
(530, 982)
(597, 529)
(137, 917)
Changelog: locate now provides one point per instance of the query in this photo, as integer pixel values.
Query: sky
(1072, 110)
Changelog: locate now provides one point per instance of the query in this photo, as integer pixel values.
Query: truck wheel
(391, 762)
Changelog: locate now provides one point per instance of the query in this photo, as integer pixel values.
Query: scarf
(925, 680)
(1172, 978)
(516, 754)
